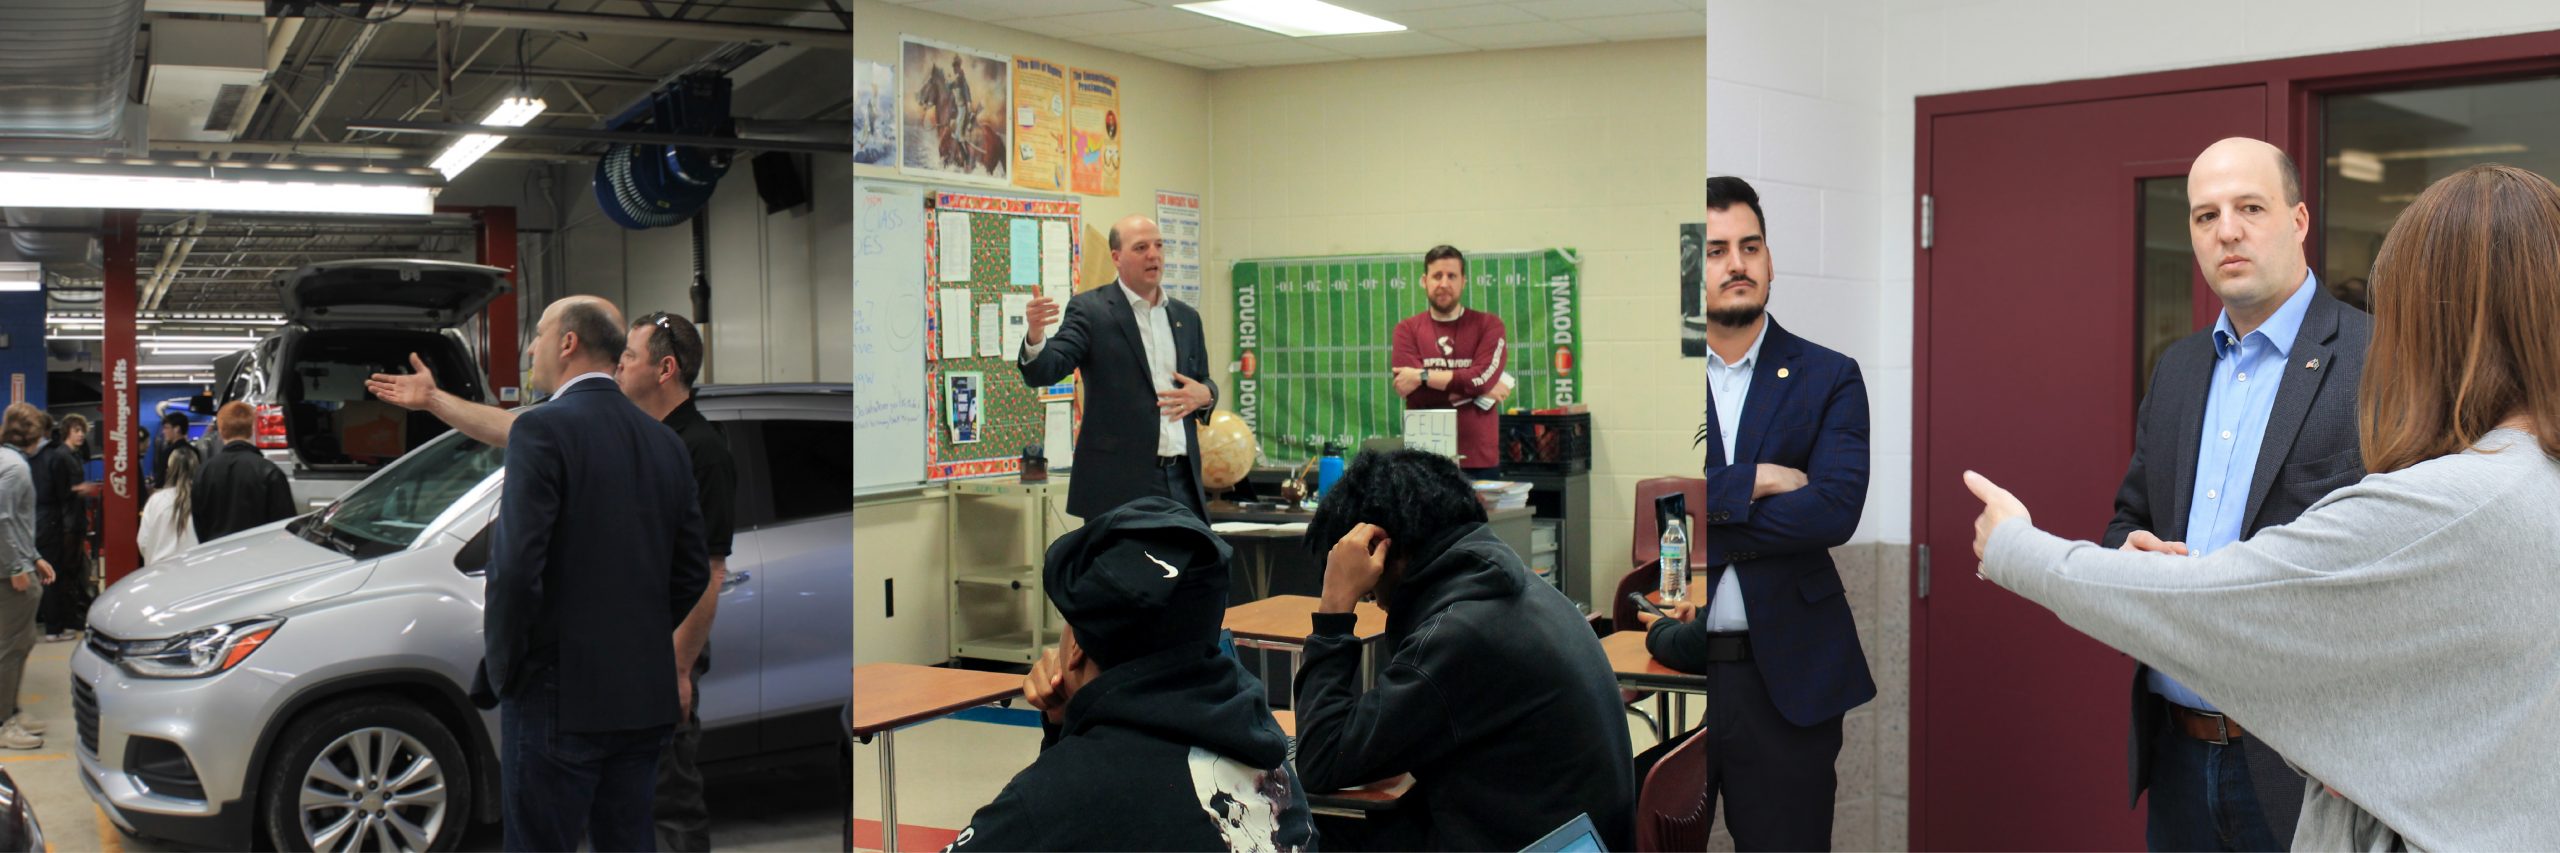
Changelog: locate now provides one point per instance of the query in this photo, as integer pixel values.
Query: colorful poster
(1693, 298)
(1312, 339)
(956, 112)
(1039, 124)
(968, 411)
(1094, 127)
(1178, 222)
(875, 113)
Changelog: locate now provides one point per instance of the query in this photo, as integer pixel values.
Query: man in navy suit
(599, 554)
(1786, 439)
(1139, 349)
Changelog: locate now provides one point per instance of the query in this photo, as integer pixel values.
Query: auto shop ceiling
(349, 85)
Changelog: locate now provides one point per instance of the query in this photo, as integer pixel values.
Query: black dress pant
(1776, 778)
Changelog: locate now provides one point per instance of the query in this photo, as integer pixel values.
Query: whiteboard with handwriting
(888, 337)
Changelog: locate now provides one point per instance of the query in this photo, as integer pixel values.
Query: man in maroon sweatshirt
(1450, 357)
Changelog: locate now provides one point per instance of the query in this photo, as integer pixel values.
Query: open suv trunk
(351, 319)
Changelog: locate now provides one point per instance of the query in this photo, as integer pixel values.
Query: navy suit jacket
(1808, 411)
(1115, 460)
(599, 553)
(2310, 448)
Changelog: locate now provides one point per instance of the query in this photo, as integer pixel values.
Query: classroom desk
(1281, 623)
(1512, 525)
(1354, 802)
(1637, 670)
(891, 696)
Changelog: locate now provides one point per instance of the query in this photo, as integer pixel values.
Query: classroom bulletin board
(981, 416)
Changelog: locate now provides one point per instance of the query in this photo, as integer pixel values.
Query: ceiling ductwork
(66, 65)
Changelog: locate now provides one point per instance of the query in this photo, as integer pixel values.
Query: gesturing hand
(410, 391)
(1042, 311)
(1187, 396)
(1997, 506)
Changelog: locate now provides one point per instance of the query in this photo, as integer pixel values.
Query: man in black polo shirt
(657, 371)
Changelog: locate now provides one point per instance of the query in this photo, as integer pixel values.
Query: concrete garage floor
(796, 808)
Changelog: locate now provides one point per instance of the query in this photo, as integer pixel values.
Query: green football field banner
(1313, 337)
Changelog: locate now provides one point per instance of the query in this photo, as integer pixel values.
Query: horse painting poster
(957, 107)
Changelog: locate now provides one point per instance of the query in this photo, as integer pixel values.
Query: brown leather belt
(2205, 725)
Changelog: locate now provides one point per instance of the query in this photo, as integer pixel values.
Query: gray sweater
(17, 514)
(2400, 642)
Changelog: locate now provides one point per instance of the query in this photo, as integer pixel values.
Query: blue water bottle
(1329, 468)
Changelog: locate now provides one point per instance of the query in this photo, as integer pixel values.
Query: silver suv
(301, 685)
(345, 321)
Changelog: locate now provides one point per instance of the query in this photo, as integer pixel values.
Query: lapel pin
(1782, 373)
(2313, 364)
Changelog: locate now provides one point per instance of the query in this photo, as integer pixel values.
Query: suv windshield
(387, 512)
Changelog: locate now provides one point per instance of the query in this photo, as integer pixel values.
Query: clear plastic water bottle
(1675, 561)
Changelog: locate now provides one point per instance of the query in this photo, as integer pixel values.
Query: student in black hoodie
(1495, 695)
(1156, 739)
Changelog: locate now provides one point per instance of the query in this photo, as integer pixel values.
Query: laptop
(1576, 835)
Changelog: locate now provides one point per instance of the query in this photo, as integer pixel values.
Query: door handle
(734, 579)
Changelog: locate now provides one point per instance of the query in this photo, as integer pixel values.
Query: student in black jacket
(1495, 695)
(62, 522)
(1156, 739)
(239, 488)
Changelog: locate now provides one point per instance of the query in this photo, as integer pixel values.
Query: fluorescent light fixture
(2357, 165)
(175, 368)
(200, 186)
(196, 339)
(21, 277)
(1295, 18)
(512, 112)
(75, 337)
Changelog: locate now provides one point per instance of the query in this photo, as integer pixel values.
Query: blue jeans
(561, 786)
(2201, 798)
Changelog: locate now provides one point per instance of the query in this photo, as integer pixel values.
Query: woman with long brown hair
(2397, 643)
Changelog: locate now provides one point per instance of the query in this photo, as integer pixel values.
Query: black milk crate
(1559, 444)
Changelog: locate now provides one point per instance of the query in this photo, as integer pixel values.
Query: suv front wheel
(367, 772)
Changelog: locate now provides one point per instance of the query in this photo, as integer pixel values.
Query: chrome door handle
(734, 579)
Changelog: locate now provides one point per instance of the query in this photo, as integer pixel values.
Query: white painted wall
(1812, 101)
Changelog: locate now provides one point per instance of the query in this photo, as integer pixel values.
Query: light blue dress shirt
(2246, 373)
(1730, 386)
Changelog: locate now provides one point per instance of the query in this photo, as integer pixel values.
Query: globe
(1227, 451)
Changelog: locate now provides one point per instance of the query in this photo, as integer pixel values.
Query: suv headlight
(200, 652)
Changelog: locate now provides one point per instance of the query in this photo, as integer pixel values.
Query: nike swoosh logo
(1169, 570)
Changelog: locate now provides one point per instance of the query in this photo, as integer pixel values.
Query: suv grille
(84, 709)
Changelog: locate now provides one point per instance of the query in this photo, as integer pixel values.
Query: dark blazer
(1814, 420)
(2309, 449)
(1116, 449)
(599, 553)
(239, 488)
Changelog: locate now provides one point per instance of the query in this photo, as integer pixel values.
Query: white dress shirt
(1155, 334)
(1731, 387)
